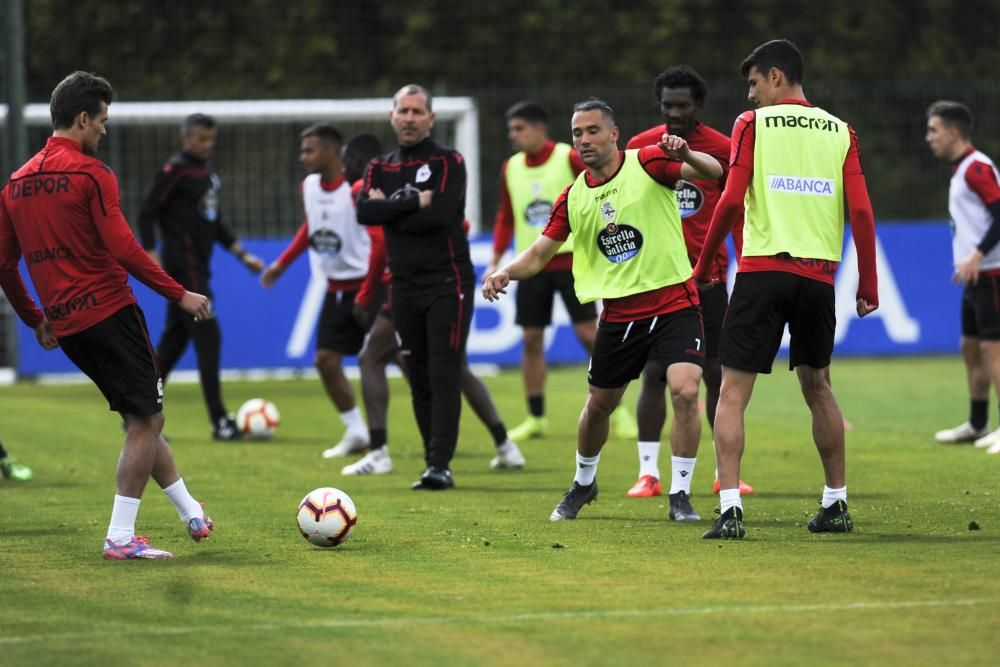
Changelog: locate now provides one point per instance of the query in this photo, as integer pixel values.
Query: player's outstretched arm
(525, 265)
(696, 164)
(271, 274)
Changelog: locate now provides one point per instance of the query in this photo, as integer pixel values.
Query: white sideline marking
(492, 620)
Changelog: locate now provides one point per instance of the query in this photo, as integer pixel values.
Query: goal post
(460, 112)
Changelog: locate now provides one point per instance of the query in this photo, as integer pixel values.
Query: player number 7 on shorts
(697, 344)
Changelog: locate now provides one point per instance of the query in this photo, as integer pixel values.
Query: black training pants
(181, 328)
(433, 325)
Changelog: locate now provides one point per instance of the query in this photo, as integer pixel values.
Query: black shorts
(714, 302)
(536, 295)
(338, 330)
(981, 308)
(117, 355)
(763, 302)
(622, 349)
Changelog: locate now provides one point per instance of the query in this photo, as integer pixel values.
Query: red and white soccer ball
(327, 516)
(258, 418)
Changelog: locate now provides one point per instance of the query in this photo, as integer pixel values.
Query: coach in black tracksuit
(184, 199)
(417, 193)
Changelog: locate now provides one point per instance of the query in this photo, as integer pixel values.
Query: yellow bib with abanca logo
(795, 203)
(533, 191)
(628, 235)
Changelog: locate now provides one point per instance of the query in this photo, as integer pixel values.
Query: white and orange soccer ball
(258, 418)
(327, 516)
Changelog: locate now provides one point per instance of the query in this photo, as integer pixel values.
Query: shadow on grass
(37, 485)
(813, 497)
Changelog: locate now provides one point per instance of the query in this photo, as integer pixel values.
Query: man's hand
(271, 274)
(674, 147)
(375, 193)
(425, 198)
(864, 308)
(360, 313)
(45, 337)
(196, 304)
(252, 262)
(495, 284)
(967, 271)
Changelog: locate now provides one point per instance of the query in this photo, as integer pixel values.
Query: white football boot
(960, 434)
(509, 456)
(351, 443)
(375, 462)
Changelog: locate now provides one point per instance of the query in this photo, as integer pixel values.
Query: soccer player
(339, 250)
(184, 200)
(529, 182)
(974, 207)
(793, 162)
(61, 211)
(417, 193)
(630, 252)
(13, 469)
(680, 91)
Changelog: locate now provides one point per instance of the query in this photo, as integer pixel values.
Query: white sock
(121, 530)
(586, 469)
(830, 496)
(681, 472)
(649, 457)
(187, 507)
(730, 498)
(354, 422)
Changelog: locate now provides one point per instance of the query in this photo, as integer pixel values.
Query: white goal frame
(461, 110)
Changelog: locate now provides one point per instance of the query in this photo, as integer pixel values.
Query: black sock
(3, 452)
(499, 433)
(536, 406)
(979, 413)
(377, 436)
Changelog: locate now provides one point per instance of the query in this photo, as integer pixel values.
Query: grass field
(473, 576)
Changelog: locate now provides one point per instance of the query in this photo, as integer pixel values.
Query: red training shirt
(62, 211)
(860, 214)
(697, 198)
(667, 299)
(503, 224)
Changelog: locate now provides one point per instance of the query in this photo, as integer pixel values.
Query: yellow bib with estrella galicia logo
(628, 235)
(533, 191)
(795, 203)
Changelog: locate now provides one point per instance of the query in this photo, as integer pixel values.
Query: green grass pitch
(473, 576)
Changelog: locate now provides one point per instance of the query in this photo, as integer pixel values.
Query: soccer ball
(258, 418)
(327, 516)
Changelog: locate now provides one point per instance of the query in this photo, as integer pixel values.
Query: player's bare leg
(592, 433)
(828, 433)
(380, 348)
(533, 372)
(683, 380)
(651, 415)
(329, 363)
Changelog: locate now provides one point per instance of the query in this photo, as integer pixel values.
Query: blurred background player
(339, 250)
(381, 348)
(417, 194)
(974, 207)
(632, 255)
(680, 91)
(62, 210)
(13, 469)
(793, 238)
(530, 181)
(184, 200)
